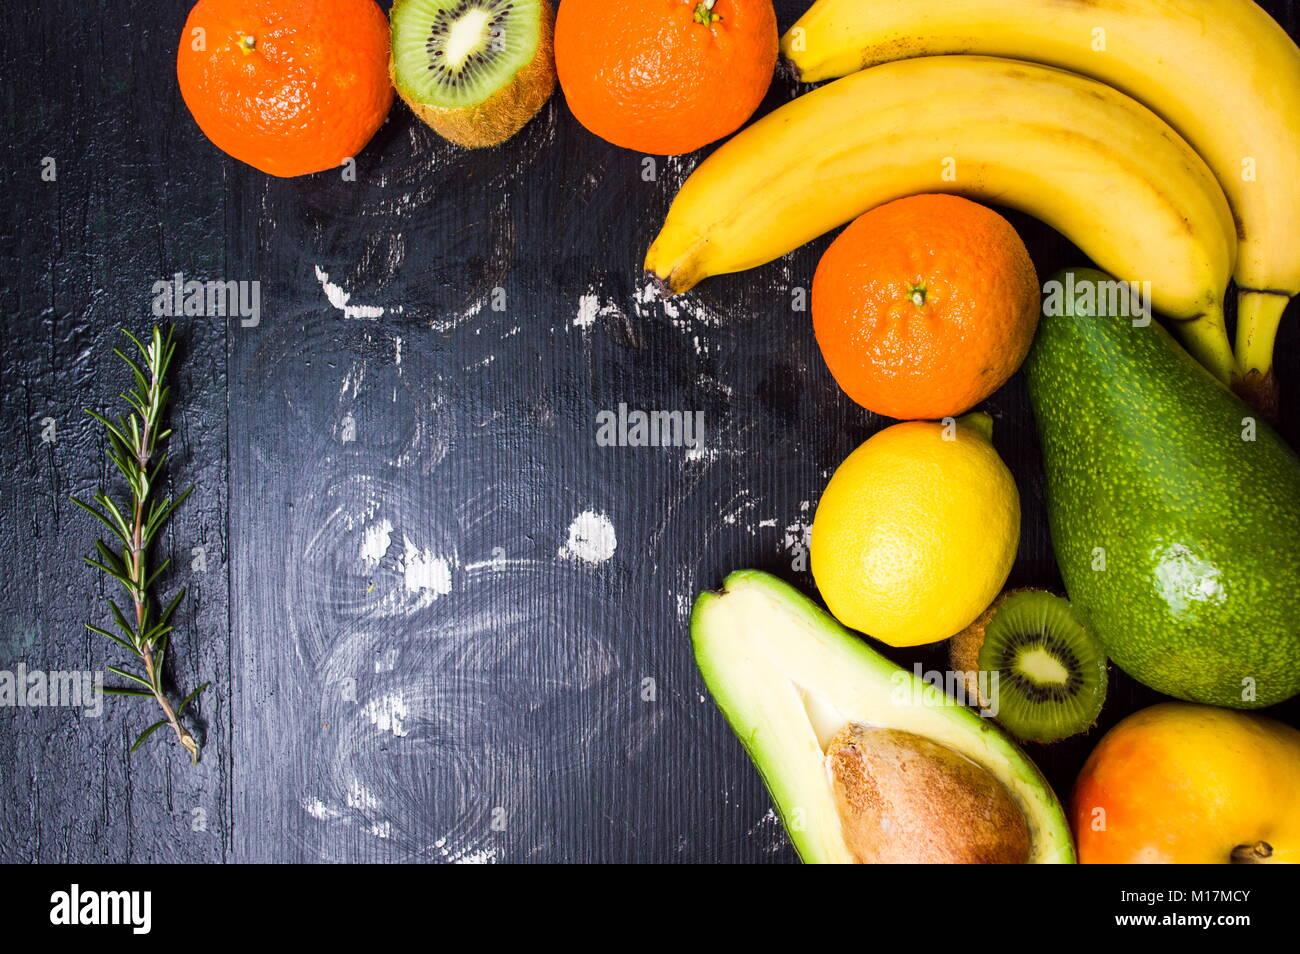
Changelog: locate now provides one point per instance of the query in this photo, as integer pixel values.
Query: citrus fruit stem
(979, 422)
(247, 44)
(704, 12)
(1252, 854)
(917, 293)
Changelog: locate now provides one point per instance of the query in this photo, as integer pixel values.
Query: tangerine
(925, 306)
(664, 76)
(289, 88)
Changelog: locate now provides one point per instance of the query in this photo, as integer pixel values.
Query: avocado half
(788, 678)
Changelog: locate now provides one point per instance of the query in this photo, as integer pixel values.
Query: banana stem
(1258, 316)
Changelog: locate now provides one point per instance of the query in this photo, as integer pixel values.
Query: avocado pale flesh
(790, 680)
(1175, 514)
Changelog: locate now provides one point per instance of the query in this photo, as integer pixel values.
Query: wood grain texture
(137, 197)
(409, 662)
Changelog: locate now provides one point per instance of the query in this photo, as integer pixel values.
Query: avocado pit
(904, 799)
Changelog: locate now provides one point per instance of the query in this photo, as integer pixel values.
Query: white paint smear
(342, 300)
(465, 855)
(424, 573)
(388, 713)
(591, 538)
(360, 797)
(483, 856)
(703, 453)
(798, 535)
(375, 541)
(319, 810)
(590, 307)
(359, 518)
(683, 312)
(352, 380)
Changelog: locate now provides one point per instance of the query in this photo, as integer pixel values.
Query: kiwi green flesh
(453, 54)
(1051, 670)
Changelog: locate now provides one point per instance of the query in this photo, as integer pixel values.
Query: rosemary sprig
(133, 442)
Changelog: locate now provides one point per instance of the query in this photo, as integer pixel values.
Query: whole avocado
(1175, 513)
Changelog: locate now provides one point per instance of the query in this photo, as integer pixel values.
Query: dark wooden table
(410, 661)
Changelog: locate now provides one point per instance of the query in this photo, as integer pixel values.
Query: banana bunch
(1081, 154)
(1091, 162)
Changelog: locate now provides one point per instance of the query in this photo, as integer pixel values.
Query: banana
(1088, 160)
(1221, 72)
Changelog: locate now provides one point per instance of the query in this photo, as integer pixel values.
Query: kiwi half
(474, 70)
(1051, 671)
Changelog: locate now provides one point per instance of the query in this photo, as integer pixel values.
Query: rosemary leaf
(148, 732)
(133, 449)
(117, 639)
(190, 698)
(132, 676)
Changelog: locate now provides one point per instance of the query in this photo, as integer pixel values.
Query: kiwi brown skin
(905, 799)
(964, 648)
(506, 111)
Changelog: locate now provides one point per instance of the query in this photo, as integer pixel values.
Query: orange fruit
(925, 306)
(287, 86)
(664, 76)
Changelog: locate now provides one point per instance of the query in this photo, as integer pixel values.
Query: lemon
(917, 531)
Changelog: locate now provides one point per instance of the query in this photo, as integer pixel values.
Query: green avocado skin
(1178, 538)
